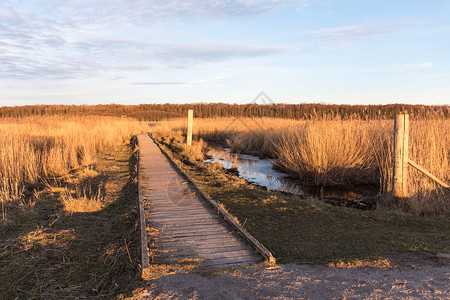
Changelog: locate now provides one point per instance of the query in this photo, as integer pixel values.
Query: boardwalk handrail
(252, 240)
(145, 264)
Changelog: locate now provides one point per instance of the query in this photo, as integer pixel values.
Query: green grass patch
(303, 230)
(50, 253)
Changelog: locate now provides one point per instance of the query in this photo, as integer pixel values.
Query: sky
(171, 51)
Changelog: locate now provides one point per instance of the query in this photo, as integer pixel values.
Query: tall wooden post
(401, 136)
(189, 129)
(405, 155)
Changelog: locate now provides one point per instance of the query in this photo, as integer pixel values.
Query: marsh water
(255, 169)
(260, 171)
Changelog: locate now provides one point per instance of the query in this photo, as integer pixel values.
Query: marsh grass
(36, 149)
(329, 153)
(335, 152)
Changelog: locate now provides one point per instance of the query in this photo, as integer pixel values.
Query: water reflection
(256, 170)
(260, 171)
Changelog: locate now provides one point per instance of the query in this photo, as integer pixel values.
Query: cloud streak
(215, 51)
(161, 83)
(354, 32)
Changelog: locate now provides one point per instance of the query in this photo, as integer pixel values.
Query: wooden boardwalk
(189, 228)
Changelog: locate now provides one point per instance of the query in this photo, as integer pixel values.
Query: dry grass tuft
(82, 201)
(46, 237)
(382, 263)
(196, 151)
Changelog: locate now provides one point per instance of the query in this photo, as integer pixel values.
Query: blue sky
(136, 51)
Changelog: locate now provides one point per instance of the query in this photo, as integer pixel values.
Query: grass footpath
(308, 231)
(48, 250)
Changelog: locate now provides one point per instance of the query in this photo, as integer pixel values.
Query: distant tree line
(158, 112)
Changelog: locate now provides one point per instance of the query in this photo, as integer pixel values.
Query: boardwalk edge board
(144, 243)
(252, 240)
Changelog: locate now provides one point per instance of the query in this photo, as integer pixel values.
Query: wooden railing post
(189, 129)
(401, 136)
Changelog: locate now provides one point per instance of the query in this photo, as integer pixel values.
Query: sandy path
(307, 282)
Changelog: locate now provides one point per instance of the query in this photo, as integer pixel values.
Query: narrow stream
(260, 171)
(256, 170)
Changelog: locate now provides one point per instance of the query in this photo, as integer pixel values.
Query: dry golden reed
(329, 153)
(338, 152)
(37, 148)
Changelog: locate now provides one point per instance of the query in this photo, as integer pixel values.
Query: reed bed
(341, 153)
(35, 149)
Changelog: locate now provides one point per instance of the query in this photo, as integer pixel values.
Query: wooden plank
(200, 228)
(195, 238)
(233, 255)
(208, 253)
(176, 231)
(424, 171)
(166, 202)
(182, 216)
(175, 208)
(219, 240)
(185, 210)
(199, 238)
(183, 224)
(190, 215)
(217, 249)
(230, 254)
(195, 234)
(202, 245)
(185, 219)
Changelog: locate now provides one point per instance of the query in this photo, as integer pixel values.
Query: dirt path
(292, 281)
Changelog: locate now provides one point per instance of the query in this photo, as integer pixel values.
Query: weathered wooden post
(189, 129)
(401, 136)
